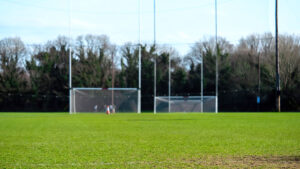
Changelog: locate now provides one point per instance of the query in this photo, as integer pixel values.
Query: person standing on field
(112, 108)
(95, 108)
(107, 110)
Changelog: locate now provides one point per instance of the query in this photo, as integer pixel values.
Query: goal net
(185, 104)
(96, 100)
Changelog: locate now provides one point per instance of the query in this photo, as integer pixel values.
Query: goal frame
(200, 99)
(139, 89)
(73, 99)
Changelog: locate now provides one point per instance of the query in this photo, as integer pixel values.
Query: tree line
(35, 77)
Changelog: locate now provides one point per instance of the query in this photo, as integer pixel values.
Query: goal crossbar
(92, 88)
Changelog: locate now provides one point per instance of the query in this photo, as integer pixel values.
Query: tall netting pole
(202, 84)
(112, 81)
(277, 59)
(154, 44)
(170, 83)
(258, 97)
(70, 62)
(140, 60)
(217, 71)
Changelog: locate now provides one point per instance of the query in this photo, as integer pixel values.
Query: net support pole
(258, 95)
(202, 84)
(70, 62)
(277, 59)
(216, 36)
(169, 84)
(154, 44)
(140, 60)
(74, 101)
(113, 80)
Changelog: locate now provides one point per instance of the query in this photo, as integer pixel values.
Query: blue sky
(179, 22)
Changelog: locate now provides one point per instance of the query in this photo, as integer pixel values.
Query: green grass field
(226, 140)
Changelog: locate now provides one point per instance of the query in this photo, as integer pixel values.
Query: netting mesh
(185, 104)
(96, 100)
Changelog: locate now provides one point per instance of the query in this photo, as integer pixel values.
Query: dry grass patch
(244, 162)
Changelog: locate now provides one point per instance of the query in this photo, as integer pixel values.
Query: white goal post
(95, 100)
(185, 104)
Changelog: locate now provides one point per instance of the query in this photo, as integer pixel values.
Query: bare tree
(289, 48)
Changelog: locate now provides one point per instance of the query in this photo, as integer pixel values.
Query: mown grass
(59, 140)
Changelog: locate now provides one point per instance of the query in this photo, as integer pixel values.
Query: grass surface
(59, 140)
